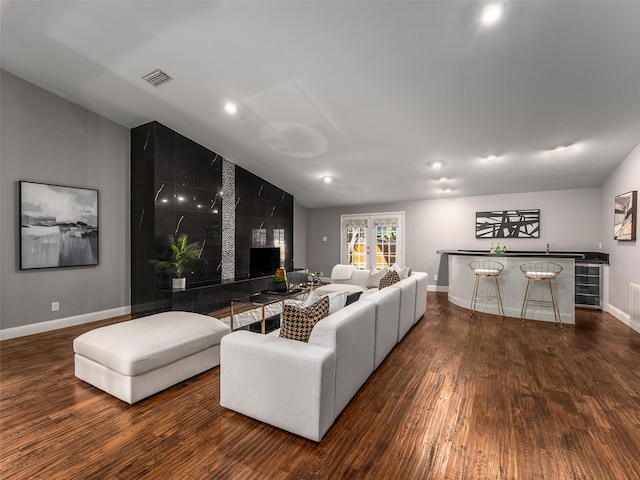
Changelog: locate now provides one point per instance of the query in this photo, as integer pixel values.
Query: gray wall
(625, 256)
(568, 221)
(47, 139)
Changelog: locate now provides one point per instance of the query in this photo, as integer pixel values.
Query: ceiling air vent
(157, 77)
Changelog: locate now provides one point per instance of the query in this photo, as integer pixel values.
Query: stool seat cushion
(540, 275)
(144, 344)
(486, 271)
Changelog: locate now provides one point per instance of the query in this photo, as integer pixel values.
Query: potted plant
(182, 253)
(279, 282)
(315, 277)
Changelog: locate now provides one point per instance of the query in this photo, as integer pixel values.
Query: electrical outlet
(435, 277)
(55, 306)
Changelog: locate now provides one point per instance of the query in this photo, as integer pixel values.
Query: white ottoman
(132, 360)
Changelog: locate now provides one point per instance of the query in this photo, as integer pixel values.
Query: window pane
(278, 241)
(386, 246)
(259, 237)
(356, 247)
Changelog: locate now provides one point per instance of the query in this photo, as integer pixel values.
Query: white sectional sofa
(303, 387)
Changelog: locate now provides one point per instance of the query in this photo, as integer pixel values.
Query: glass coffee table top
(260, 306)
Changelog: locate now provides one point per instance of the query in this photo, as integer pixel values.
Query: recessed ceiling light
(492, 13)
(436, 164)
(443, 179)
(447, 190)
(560, 148)
(230, 108)
(491, 157)
(327, 179)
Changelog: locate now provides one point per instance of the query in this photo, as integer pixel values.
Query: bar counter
(513, 283)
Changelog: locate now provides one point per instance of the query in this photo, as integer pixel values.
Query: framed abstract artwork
(625, 216)
(508, 224)
(58, 226)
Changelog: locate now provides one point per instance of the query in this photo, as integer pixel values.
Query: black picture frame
(508, 224)
(625, 216)
(58, 226)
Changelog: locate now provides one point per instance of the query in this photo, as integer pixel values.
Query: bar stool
(544, 272)
(488, 269)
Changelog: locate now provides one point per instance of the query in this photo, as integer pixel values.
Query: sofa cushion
(339, 287)
(144, 344)
(408, 288)
(375, 275)
(389, 279)
(342, 272)
(297, 323)
(358, 277)
(351, 333)
(387, 302)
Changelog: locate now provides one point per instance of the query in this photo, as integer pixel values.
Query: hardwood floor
(457, 399)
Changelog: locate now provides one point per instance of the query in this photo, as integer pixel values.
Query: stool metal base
(495, 297)
(553, 304)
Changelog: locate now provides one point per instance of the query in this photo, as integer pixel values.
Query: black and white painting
(624, 222)
(508, 224)
(58, 226)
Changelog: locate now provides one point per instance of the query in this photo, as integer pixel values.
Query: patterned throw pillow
(389, 279)
(297, 323)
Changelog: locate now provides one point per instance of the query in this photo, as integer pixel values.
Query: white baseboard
(437, 288)
(24, 330)
(623, 317)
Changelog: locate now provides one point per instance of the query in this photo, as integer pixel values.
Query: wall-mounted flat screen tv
(264, 261)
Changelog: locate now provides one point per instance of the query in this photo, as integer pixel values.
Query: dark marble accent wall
(261, 205)
(176, 187)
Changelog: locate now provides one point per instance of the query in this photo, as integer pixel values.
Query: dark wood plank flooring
(457, 399)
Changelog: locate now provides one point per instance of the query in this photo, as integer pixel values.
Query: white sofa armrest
(285, 383)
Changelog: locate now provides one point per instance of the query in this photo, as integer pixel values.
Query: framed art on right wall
(625, 216)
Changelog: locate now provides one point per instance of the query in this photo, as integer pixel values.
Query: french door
(372, 239)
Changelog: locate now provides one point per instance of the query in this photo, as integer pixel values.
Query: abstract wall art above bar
(508, 224)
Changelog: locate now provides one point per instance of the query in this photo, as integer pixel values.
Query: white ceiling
(367, 92)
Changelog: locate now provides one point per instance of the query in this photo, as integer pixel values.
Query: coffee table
(262, 300)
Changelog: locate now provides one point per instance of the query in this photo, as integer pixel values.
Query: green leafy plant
(315, 277)
(280, 276)
(182, 253)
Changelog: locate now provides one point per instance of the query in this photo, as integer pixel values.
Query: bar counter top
(592, 257)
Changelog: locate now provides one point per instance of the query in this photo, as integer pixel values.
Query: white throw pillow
(375, 276)
(402, 272)
(342, 272)
(312, 298)
(337, 300)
